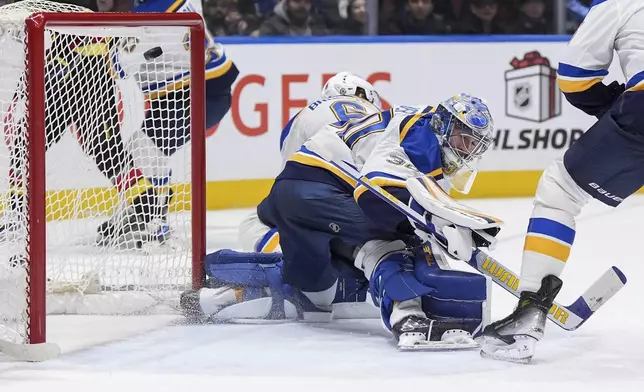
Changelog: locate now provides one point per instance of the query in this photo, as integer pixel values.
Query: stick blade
(591, 300)
(30, 352)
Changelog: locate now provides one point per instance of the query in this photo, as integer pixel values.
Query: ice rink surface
(159, 354)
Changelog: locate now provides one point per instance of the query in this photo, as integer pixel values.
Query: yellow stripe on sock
(547, 247)
(272, 244)
(137, 190)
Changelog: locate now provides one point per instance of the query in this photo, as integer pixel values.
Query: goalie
(328, 224)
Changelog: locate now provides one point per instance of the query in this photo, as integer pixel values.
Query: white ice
(151, 353)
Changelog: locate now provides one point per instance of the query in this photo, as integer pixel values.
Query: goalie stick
(568, 317)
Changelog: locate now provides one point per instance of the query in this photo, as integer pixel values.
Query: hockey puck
(153, 53)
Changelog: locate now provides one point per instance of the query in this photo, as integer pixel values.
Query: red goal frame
(35, 65)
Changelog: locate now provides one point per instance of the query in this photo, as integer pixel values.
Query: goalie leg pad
(228, 267)
(452, 296)
(256, 276)
(449, 284)
(394, 281)
(458, 296)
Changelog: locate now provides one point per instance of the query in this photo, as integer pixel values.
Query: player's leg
(309, 216)
(248, 287)
(320, 226)
(96, 119)
(164, 131)
(606, 163)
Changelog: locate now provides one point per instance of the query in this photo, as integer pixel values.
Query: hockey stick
(568, 317)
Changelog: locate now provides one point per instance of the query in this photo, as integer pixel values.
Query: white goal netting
(117, 167)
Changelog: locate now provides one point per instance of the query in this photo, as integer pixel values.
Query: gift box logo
(531, 91)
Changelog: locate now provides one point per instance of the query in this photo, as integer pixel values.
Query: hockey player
(605, 163)
(345, 97)
(166, 127)
(327, 224)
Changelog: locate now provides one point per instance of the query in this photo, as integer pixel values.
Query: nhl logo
(522, 99)
(531, 91)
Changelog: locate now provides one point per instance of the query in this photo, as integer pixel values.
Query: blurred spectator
(329, 11)
(531, 19)
(451, 10)
(418, 18)
(356, 18)
(293, 18)
(223, 18)
(388, 7)
(482, 18)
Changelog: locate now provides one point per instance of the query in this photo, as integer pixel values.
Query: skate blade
(438, 346)
(521, 351)
(523, 361)
(216, 320)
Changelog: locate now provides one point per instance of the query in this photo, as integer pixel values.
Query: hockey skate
(159, 226)
(129, 227)
(418, 333)
(514, 338)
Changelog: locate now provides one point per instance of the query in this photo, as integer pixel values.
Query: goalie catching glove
(458, 229)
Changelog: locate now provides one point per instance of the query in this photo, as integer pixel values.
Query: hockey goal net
(102, 122)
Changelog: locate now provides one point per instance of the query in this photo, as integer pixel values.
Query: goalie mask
(346, 83)
(464, 127)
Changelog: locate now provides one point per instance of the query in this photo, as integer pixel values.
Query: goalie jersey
(171, 70)
(610, 26)
(386, 147)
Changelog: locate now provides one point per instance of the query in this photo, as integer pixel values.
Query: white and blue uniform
(606, 162)
(165, 80)
(325, 114)
(325, 219)
(313, 205)
(316, 116)
(387, 147)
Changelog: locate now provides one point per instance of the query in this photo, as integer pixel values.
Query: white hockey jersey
(610, 26)
(171, 70)
(387, 147)
(316, 116)
(329, 114)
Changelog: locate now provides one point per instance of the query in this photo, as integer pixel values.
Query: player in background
(345, 97)
(328, 223)
(81, 95)
(165, 82)
(605, 163)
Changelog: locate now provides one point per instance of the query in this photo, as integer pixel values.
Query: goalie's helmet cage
(70, 107)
